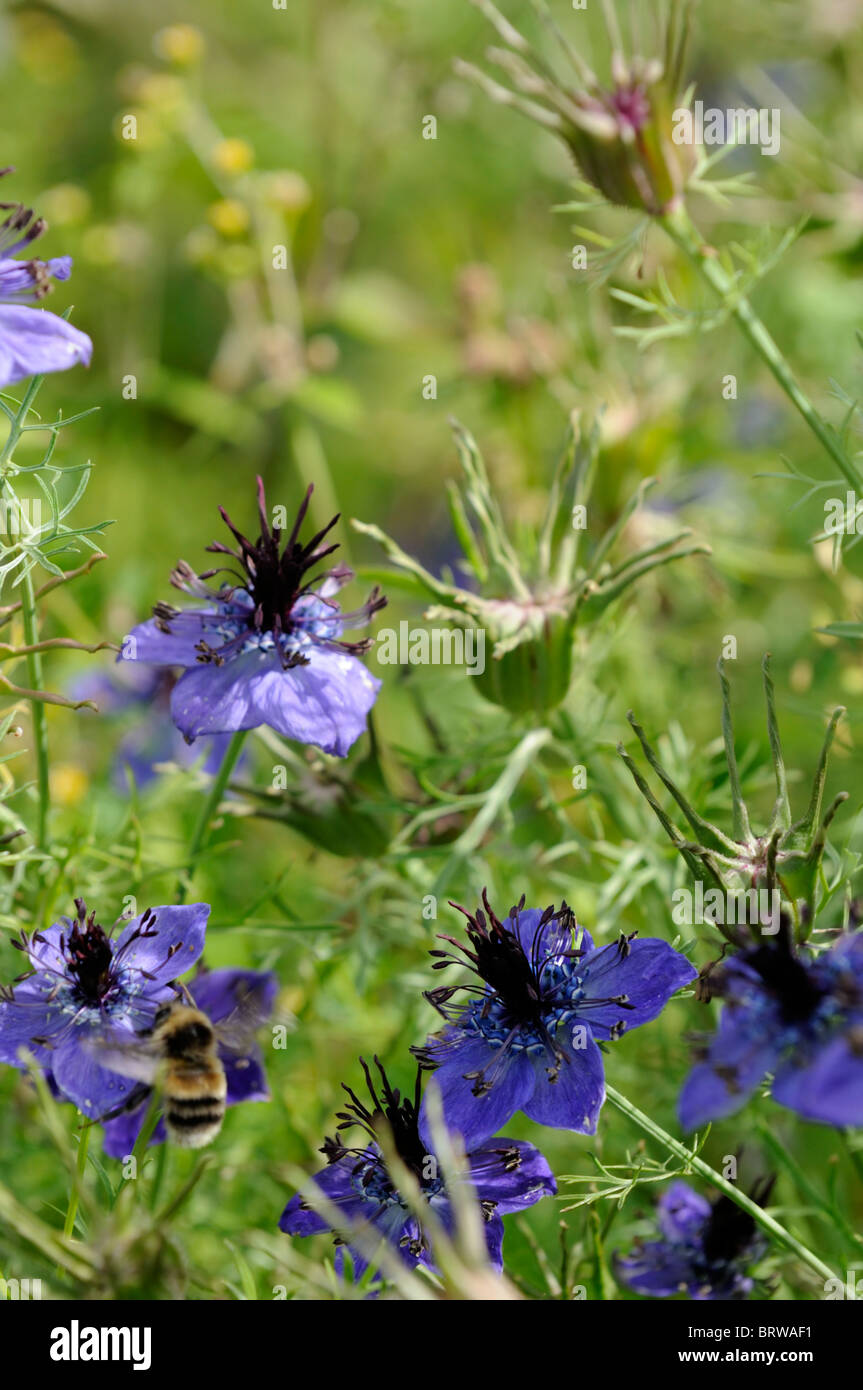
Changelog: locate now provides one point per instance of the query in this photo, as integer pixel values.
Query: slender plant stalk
(16, 426)
(767, 1223)
(208, 810)
(158, 1176)
(684, 233)
(75, 1193)
(37, 708)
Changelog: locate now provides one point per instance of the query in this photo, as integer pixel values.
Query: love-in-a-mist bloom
(32, 341)
(704, 1250)
(528, 1036)
(792, 1013)
(84, 984)
(506, 1175)
(268, 647)
(220, 995)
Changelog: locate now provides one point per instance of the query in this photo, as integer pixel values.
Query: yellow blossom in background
(233, 157)
(229, 216)
(69, 784)
(181, 44)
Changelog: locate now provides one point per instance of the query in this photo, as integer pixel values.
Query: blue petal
(32, 342)
(60, 267)
(149, 642)
(743, 1051)
(44, 948)
(552, 940)
(846, 951)
(511, 1188)
(493, 1232)
(120, 1134)
(175, 947)
(81, 1078)
(681, 1212)
(575, 1099)
(29, 1015)
(828, 1088)
(220, 993)
(475, 1118)
(648, 975)
(246, 1076)
(337, 1183)
(657, 1270)
(324, 703)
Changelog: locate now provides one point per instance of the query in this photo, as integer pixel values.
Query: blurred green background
(407, 258)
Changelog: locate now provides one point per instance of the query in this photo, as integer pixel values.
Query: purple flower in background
(83, 984)
(268, 648)
(792, 1013)
(32, 341)
(506, 1175)
(219, 994)
(704, 1250)
(528, 1037)
(154, 738)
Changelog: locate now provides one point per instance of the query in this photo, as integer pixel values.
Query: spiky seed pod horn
(619, 133)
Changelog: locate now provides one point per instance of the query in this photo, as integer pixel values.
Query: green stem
(74, 1195)
(158, 1176)
(855, 1155)
(208, 810)
(16, 427)
(767, 1223)
(37, 708)
(685, 235)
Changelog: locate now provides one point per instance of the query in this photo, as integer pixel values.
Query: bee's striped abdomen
(193, 1123)
(195, 1106)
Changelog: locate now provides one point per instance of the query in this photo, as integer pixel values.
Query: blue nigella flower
(704, 1251)
(267, 648)
(219, 994)
(788, 1012)
(83, 984)
(528, 1038)
(32, 341)
(507, 1175)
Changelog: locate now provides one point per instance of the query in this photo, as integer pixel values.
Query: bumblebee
(181, 1055)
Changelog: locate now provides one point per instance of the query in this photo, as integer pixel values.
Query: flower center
(730, 1233)
(391, 1118)
(788, 979)
(89, 956)
(273, 576)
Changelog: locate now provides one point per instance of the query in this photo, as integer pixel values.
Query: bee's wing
(236, 1033)
(136, 1058)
